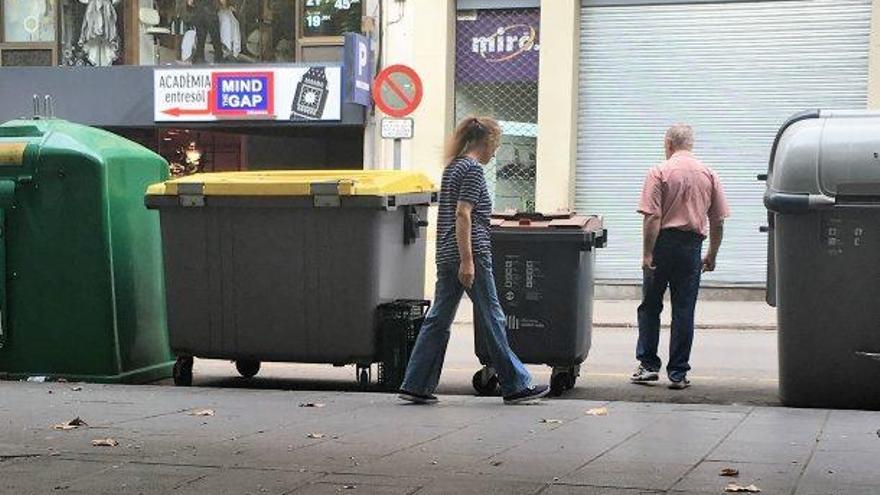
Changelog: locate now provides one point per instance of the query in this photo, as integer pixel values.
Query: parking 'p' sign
(397, 91)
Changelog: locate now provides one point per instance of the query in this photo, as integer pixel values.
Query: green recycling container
(82, 296)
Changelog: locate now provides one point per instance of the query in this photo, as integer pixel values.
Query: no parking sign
(397, 91)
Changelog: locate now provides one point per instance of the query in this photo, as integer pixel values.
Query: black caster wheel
(247, 368)
(183, 372)
(560, 382)
(363, 376)
(485, 383)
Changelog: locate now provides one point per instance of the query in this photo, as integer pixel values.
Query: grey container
(543, 268)
(288, 266)
(823, 199)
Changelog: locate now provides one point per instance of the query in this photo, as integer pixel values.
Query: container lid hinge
(191, 194)
(325, 194)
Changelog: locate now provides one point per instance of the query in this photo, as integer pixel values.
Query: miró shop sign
(497, 46)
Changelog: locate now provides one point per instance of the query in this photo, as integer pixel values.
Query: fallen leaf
(598, 411)
(76, 389)
(202, 412)
(729, 472)
(735, 488)
(315, 435)
(70, 425)
(105, 442)
(311, 404)
(552, 421)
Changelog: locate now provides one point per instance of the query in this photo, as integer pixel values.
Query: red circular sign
(397, 91)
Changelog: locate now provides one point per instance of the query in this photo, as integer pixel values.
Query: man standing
(682, 200)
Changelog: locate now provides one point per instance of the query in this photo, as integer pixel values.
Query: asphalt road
(728, 367)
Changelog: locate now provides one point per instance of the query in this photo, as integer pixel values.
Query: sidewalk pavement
(710, 315)
(266, 442)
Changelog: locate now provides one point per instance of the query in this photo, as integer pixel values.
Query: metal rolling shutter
(735, 71)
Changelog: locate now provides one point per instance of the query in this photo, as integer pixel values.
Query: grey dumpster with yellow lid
(289, 266)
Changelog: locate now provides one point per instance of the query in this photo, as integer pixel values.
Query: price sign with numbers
(331, 17)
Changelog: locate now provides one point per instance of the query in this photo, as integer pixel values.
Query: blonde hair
(471, 134)
(680, 137)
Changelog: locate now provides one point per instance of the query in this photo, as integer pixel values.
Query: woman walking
(464, 264)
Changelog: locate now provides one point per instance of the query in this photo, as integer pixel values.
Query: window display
(29, 21)
(228, 31)
(92, 32)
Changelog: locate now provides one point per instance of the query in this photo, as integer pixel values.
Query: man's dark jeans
(678, 262)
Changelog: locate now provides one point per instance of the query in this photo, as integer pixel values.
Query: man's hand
(466, 274)
(648, 264)
(709, 263)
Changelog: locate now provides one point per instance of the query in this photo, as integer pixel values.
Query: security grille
(735, 71)
(497, 76)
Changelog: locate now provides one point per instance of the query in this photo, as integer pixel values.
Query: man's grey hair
(680, 137)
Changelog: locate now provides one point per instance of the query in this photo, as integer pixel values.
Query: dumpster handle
(412, 223)
(781, 202)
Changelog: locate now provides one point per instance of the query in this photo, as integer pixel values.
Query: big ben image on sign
(311, 95)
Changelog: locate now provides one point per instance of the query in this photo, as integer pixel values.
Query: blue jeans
(423, 370)
(677, 257)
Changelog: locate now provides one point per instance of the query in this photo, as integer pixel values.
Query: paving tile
(361, 484)
(479, 485)
(139, 478)
(833, 467)
(770, 451)
(770, 478)
(595, 490)
(43, 475)
(837, 488)
(639, 475)
(247, 481)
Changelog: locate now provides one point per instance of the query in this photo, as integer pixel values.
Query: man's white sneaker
(643, 375)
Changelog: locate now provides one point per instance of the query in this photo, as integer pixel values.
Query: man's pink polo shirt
(684, 193)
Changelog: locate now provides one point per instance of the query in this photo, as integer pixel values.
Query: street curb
(708, 326)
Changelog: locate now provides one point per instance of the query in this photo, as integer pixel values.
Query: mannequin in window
(99, 38)
(206, 22)
(230, 30)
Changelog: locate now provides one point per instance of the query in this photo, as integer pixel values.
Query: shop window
(28, 32)
(69, 32)
(93, 32)
(250, 31)
(497, 75)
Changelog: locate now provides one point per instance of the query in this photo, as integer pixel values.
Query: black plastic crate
(398, 323)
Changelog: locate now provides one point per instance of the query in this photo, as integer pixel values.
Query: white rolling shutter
(735, 71)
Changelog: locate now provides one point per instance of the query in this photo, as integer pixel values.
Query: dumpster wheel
(563, 379)
(247, 368)
(183, 371)
(485, 382)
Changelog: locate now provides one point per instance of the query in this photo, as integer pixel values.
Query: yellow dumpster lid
(297, 183)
